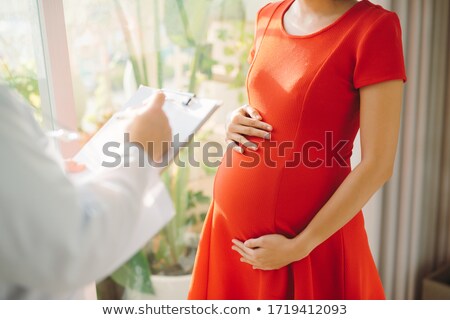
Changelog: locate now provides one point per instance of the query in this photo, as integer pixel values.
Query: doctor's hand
(72, 166)
(270, 252)
(246, 121)
(150, 128)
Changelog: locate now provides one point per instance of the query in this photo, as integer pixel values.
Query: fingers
(237, 138)
(255, 267)
(251, 264)
(254, 243)
(74, 167)
(248, 131)
(155, 102)
(242, 118)
(247, 253)
(252, 112)
(241, 123)
(235, 146)
(246, 261)
(249, 122)
(151, 128)
(246, 121)
(254, 253)
(247, 256)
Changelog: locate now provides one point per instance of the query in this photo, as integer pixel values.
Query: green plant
(190, 34)
(172, 251)
(24, 80)
(186, 24)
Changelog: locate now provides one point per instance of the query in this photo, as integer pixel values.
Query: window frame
(58, 100)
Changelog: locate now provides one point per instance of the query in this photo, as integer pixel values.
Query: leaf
(222, 34)
(177, 180)
(162, 251)
(186, 21)
(242, 98)
(203, 216)
(135, 274)
(206, 62)
(195, 198)
(229, 68)
(191, 220)
(201, 197)
(229, 10)
(191, 200)
(229, 51)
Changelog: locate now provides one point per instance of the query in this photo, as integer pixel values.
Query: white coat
(56, 237)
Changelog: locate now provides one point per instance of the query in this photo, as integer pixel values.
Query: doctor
(56, 237)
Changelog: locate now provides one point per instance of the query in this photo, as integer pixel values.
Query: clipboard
(186, 113)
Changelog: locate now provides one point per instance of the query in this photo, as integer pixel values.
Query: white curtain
(410, 233)
(408, 221)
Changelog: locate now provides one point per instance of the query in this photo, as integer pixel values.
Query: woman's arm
(380, 122)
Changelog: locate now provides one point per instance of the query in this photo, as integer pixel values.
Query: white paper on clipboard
(185, 121)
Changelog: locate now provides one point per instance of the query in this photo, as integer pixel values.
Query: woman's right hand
(246, 121)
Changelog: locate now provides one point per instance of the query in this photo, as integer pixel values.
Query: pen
(188, 96)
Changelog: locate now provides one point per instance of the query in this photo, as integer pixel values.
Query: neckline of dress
(322, 30)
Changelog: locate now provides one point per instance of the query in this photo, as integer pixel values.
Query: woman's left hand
(270, 252)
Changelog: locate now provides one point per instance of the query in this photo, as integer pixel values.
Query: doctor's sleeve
(55, 235)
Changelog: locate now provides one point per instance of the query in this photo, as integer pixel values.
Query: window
(191, 45)
(21, 55)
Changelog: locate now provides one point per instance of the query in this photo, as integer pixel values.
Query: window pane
(21, 55)
(199, 46)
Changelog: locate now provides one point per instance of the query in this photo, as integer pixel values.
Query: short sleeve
(379, 54)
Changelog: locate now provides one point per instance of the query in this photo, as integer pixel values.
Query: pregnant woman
(286, 219)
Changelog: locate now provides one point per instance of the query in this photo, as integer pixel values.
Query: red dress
(306, 87)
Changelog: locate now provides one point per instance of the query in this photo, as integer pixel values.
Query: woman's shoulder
(373, 13)
(269, 8)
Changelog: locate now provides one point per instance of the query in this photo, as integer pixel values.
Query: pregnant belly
(245, 194)
(261, 197)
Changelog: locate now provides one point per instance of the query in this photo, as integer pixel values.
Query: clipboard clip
(183, 98)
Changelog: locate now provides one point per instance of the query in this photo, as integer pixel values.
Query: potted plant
(171, 254)
(167, 260)
(162, 269)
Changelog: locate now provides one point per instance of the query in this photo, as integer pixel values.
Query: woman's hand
(246, 121)
(271, 252)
